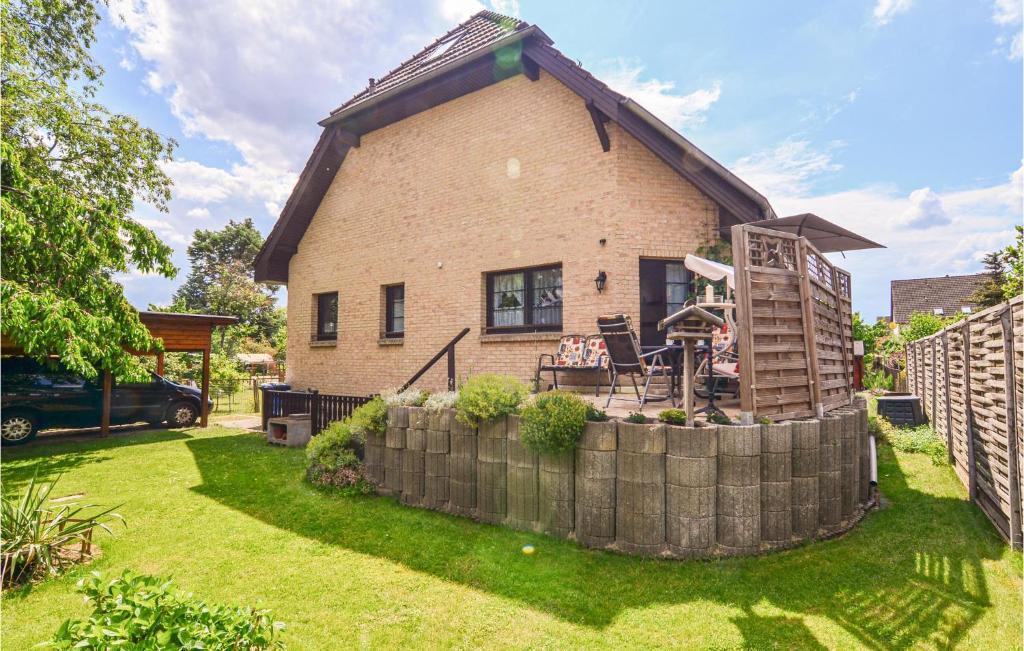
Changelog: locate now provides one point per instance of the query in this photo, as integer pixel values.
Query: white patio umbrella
(711, 270)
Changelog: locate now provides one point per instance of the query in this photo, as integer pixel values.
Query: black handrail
(449, 349)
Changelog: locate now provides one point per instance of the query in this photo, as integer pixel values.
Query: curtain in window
(508, 300)
(547, 297)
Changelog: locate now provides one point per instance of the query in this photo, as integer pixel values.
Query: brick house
(485, 183)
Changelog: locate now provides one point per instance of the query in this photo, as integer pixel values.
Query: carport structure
(181, 333)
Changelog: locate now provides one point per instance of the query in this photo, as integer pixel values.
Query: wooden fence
(970, 378)
(795, 326)
(323, 408)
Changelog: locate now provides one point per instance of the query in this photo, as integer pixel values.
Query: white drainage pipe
(874, 461)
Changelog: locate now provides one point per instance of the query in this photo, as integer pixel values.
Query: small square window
(394, 311)
(327, 316)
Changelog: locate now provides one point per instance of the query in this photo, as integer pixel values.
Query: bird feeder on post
(689, 325)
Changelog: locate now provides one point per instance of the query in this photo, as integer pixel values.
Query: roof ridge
(508, 22)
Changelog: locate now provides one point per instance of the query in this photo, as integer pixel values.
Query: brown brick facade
(510, 176)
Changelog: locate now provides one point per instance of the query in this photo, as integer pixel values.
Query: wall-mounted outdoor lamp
(602, 277)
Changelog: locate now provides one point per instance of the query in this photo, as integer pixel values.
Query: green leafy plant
(371, 418)
(718, 418)
(920, 440)
(764, 420)
(41, 536)
(139, 611)
(636, 417)
(333, 459)
(488, 397)
(673, 417)
(440, 401)
(554, 422)
(596, 415)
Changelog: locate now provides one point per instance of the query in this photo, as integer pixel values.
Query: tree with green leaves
(221, 282)
(1006, 273)
(72, 172)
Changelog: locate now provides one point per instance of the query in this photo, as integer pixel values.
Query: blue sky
(900, 119)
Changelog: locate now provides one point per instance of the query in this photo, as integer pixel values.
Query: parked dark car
(35, 397)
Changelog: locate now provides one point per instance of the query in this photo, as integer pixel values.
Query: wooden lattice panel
(958, 404)
(776, 381)
(988, 406)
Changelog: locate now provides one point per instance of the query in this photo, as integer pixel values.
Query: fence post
(972, 481)
(949, 415)
(314, 412)
(265, 407)
(1013, 469)
(935, 375)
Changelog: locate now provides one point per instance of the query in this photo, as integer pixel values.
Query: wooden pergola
(181, 333)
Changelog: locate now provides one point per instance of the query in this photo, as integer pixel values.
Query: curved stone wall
(653, 490)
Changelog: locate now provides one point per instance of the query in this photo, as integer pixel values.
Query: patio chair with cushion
(725, 374)
(626, 357)
(575, 353)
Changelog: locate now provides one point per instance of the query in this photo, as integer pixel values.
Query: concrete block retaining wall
(653, 489)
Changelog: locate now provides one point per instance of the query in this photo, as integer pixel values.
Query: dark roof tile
(951, 293)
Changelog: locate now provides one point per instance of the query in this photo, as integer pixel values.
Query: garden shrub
(488, 397)
(41, 538)
(407, 398)
(718, 418)
(673, 417)
(138, 611)
(596, 415)
(636, 417)
(371, 418)
(440, 401)
(553, 423)
(920, 440)
(333, 458)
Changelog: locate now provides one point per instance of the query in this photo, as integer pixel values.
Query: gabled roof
(484, 50)
(480, 31)
(950, 293)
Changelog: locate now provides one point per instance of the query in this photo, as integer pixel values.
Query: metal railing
(449, 350)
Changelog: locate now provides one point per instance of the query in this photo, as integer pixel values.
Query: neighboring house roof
(255, 358)
(486, 49)
(950, 293)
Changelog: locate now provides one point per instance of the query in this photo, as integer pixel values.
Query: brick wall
(509, 176)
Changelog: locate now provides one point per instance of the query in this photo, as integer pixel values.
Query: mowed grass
(232, 520)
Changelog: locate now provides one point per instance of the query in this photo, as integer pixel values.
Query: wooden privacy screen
(970, 378)
(795, 327)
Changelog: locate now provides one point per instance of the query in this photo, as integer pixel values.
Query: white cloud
(1010, 14)
(885, 10)
(788, 169)
(457, 11)
(506, 7)
(925, 211)
(204, 184)
(659, 97)
(198, 213)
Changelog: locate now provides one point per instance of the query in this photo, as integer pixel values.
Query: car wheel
(182, 414)
(17, 428)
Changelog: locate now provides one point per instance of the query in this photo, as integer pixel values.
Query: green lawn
(232, 520)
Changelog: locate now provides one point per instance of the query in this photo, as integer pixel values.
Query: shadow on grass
(909, 573)
(58, 454)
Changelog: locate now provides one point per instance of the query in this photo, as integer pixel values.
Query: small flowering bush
(333, 459)
(488, 397)
(441, 401)
(636, 417)
(596, 415)
(407, 398)
(554, 422)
